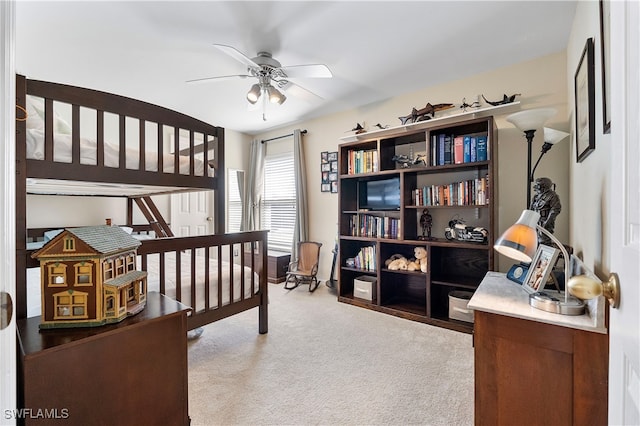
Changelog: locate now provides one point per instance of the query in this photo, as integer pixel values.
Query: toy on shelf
(88, 277)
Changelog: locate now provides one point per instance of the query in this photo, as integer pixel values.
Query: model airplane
(505, 99)
(358, 129)
(423, 114)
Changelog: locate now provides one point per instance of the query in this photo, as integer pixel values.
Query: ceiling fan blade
(307, 71)
(221, 77)
(237, 55)
(295, 90)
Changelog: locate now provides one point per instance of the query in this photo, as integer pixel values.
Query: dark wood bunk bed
(151, 173)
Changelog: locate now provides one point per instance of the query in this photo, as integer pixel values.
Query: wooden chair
(304, 269)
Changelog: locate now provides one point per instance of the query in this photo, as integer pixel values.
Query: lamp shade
(553, 136)
(520, 241)
(254, 94)
(275, 96)
(531, 119)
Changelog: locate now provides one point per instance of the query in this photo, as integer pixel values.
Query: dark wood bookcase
(453, 265)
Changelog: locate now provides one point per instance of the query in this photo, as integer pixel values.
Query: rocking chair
(304, 269)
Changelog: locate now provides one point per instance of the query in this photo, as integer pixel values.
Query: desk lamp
(520, 242)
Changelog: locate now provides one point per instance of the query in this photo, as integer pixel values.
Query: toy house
(89, 277)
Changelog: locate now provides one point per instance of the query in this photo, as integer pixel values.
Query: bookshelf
(457, 185)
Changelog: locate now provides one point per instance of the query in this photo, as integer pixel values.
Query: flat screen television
(380, 194)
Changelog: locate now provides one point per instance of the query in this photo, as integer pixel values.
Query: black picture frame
(605, 57)
(584, 111)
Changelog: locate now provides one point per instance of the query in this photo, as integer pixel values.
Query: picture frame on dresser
(585, 103)
(540, 268)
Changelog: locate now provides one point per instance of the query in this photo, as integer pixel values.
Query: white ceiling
(375, 49)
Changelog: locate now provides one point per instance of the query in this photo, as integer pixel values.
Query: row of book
(458, 149)
(366, 259)
(471, 192)
(362, 161)
(367, 225)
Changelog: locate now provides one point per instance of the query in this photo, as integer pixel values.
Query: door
(7, 216)
(624, 224)
(192, 213)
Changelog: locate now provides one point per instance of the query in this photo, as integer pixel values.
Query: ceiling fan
(272, 77)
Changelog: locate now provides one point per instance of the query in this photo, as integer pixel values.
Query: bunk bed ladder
(153, 216)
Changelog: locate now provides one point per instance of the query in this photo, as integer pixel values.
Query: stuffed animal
(392, 258)
(421, 257)
(413, 265)
(398, 264)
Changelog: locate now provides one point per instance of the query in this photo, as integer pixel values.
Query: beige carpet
(328, 363)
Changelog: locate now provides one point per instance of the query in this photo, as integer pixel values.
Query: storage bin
(458, 310)
(364, 287)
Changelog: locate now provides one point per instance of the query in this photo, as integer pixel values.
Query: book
(447, 149)
(474, 149)
(458, 151)
(481, 148)
(467, 149)
(441, 149)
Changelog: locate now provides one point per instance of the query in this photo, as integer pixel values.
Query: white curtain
(254, 183)
(301, 228)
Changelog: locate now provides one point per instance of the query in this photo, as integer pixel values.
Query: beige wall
(541, 82)
(589, 179)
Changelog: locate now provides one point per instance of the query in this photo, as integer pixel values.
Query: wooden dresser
(533, 367)
(130, 373)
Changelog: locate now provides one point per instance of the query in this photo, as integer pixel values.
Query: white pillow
(35, 117)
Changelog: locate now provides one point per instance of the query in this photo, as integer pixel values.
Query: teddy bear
(397, 262)
(413, 264)
(420, 254)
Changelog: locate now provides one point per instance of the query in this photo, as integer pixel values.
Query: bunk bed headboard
(177, 161)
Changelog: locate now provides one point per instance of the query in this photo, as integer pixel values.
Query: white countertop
(498, 295)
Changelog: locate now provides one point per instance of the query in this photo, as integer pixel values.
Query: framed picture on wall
(584, 103)
(605, 56)
(540, 268)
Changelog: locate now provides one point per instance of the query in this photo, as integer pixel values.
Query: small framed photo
(325, 167)
(324, 156)
(540, 268)
(334, 187)
(333, 176)
(326, 187)
(333, 156)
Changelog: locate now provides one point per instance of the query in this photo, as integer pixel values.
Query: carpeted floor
(328, 363)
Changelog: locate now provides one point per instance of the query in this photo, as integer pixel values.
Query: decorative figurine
(426, 221)
(546, 202)
(358, 129)
(423, 114)
(420, 158)
(88, 277)
(505, 99)
(465, 105)
(404, 160)
(381, 127)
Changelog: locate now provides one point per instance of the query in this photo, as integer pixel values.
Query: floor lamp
(529, 121)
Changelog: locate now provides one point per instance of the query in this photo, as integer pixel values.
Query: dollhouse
(89, 277)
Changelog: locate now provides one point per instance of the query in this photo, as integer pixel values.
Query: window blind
(234, 204)
(279, 202)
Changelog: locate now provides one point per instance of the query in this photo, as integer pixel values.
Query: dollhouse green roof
(105, 239)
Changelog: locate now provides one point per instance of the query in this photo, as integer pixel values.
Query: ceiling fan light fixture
(275, 96)
(254, 94)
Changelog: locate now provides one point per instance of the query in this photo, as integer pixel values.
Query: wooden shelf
(452, 265)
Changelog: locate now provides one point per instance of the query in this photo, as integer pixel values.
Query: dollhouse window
(70, 305)
(84, 274)
(69, 244)
(110, 303)
(57, 275)
(120, 267)
(131, 263)
(107, 269)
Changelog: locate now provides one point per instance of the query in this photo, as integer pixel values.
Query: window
(69, 244)
(70, 305)
(279, 201)
(57, 275)
(84, 272)
(107, 268)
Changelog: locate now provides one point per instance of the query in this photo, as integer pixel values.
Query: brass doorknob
(6, 309)
(584, 287)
